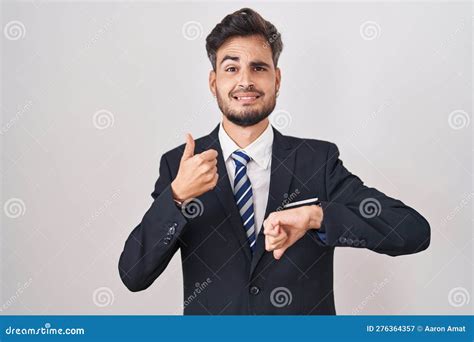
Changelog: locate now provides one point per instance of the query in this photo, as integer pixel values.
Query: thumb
(189, 148)
(278, 253)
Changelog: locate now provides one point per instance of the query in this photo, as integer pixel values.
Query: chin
(246, 119)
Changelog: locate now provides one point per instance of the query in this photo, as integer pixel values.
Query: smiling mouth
(246, 98)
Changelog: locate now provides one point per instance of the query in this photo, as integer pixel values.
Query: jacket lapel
(282, 169)
(224, 192)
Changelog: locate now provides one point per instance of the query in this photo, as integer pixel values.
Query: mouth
(245, 98)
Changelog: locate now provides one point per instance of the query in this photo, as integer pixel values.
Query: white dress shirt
(258, 168)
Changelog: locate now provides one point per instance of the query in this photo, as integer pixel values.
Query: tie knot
(240, 157)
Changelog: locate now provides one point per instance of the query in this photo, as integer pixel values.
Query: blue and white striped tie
(243, 195)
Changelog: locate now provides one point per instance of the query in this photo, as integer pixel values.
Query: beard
(245, 117)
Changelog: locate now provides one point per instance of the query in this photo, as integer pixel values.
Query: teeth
(247, 98)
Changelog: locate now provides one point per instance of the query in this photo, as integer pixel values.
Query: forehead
(246, 48)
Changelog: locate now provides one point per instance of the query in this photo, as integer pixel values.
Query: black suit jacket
(220, 274)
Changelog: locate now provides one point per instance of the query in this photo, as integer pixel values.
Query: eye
(259, 68)
(230, 69)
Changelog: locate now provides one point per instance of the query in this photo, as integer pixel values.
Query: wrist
(315, 216)
(177, 196)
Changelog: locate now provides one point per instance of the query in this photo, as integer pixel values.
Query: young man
(227, 199)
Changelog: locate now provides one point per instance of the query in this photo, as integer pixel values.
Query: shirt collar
(260, 150)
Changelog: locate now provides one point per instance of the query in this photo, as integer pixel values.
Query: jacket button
(342, 239)
(254, 290)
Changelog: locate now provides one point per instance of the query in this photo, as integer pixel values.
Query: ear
(277, 79)
(212, 82)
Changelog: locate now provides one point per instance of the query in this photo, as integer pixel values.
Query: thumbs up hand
(197, 174)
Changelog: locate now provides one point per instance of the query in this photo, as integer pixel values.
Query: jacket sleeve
(152, 244)
(359, 216)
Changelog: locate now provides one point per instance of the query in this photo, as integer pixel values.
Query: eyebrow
(256, 63)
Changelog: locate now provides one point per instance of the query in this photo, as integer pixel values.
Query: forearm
(152, 244)
(360, 216)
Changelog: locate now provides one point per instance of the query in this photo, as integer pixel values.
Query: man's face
(245, 80)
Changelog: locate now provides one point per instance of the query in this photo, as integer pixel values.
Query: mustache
(248, 90)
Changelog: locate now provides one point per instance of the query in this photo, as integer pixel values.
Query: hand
(197, 174)
(283, 228)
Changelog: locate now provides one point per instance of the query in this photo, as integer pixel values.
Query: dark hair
(244, 22)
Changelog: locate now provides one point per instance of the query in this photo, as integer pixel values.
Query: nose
(245, 80)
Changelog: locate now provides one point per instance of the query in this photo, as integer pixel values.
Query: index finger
(209, 154)
(272, 230)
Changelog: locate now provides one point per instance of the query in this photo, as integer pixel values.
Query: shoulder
(311, 145)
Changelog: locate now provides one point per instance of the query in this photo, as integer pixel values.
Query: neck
(244, 136)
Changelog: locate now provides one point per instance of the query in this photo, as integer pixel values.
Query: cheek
(223, 87)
